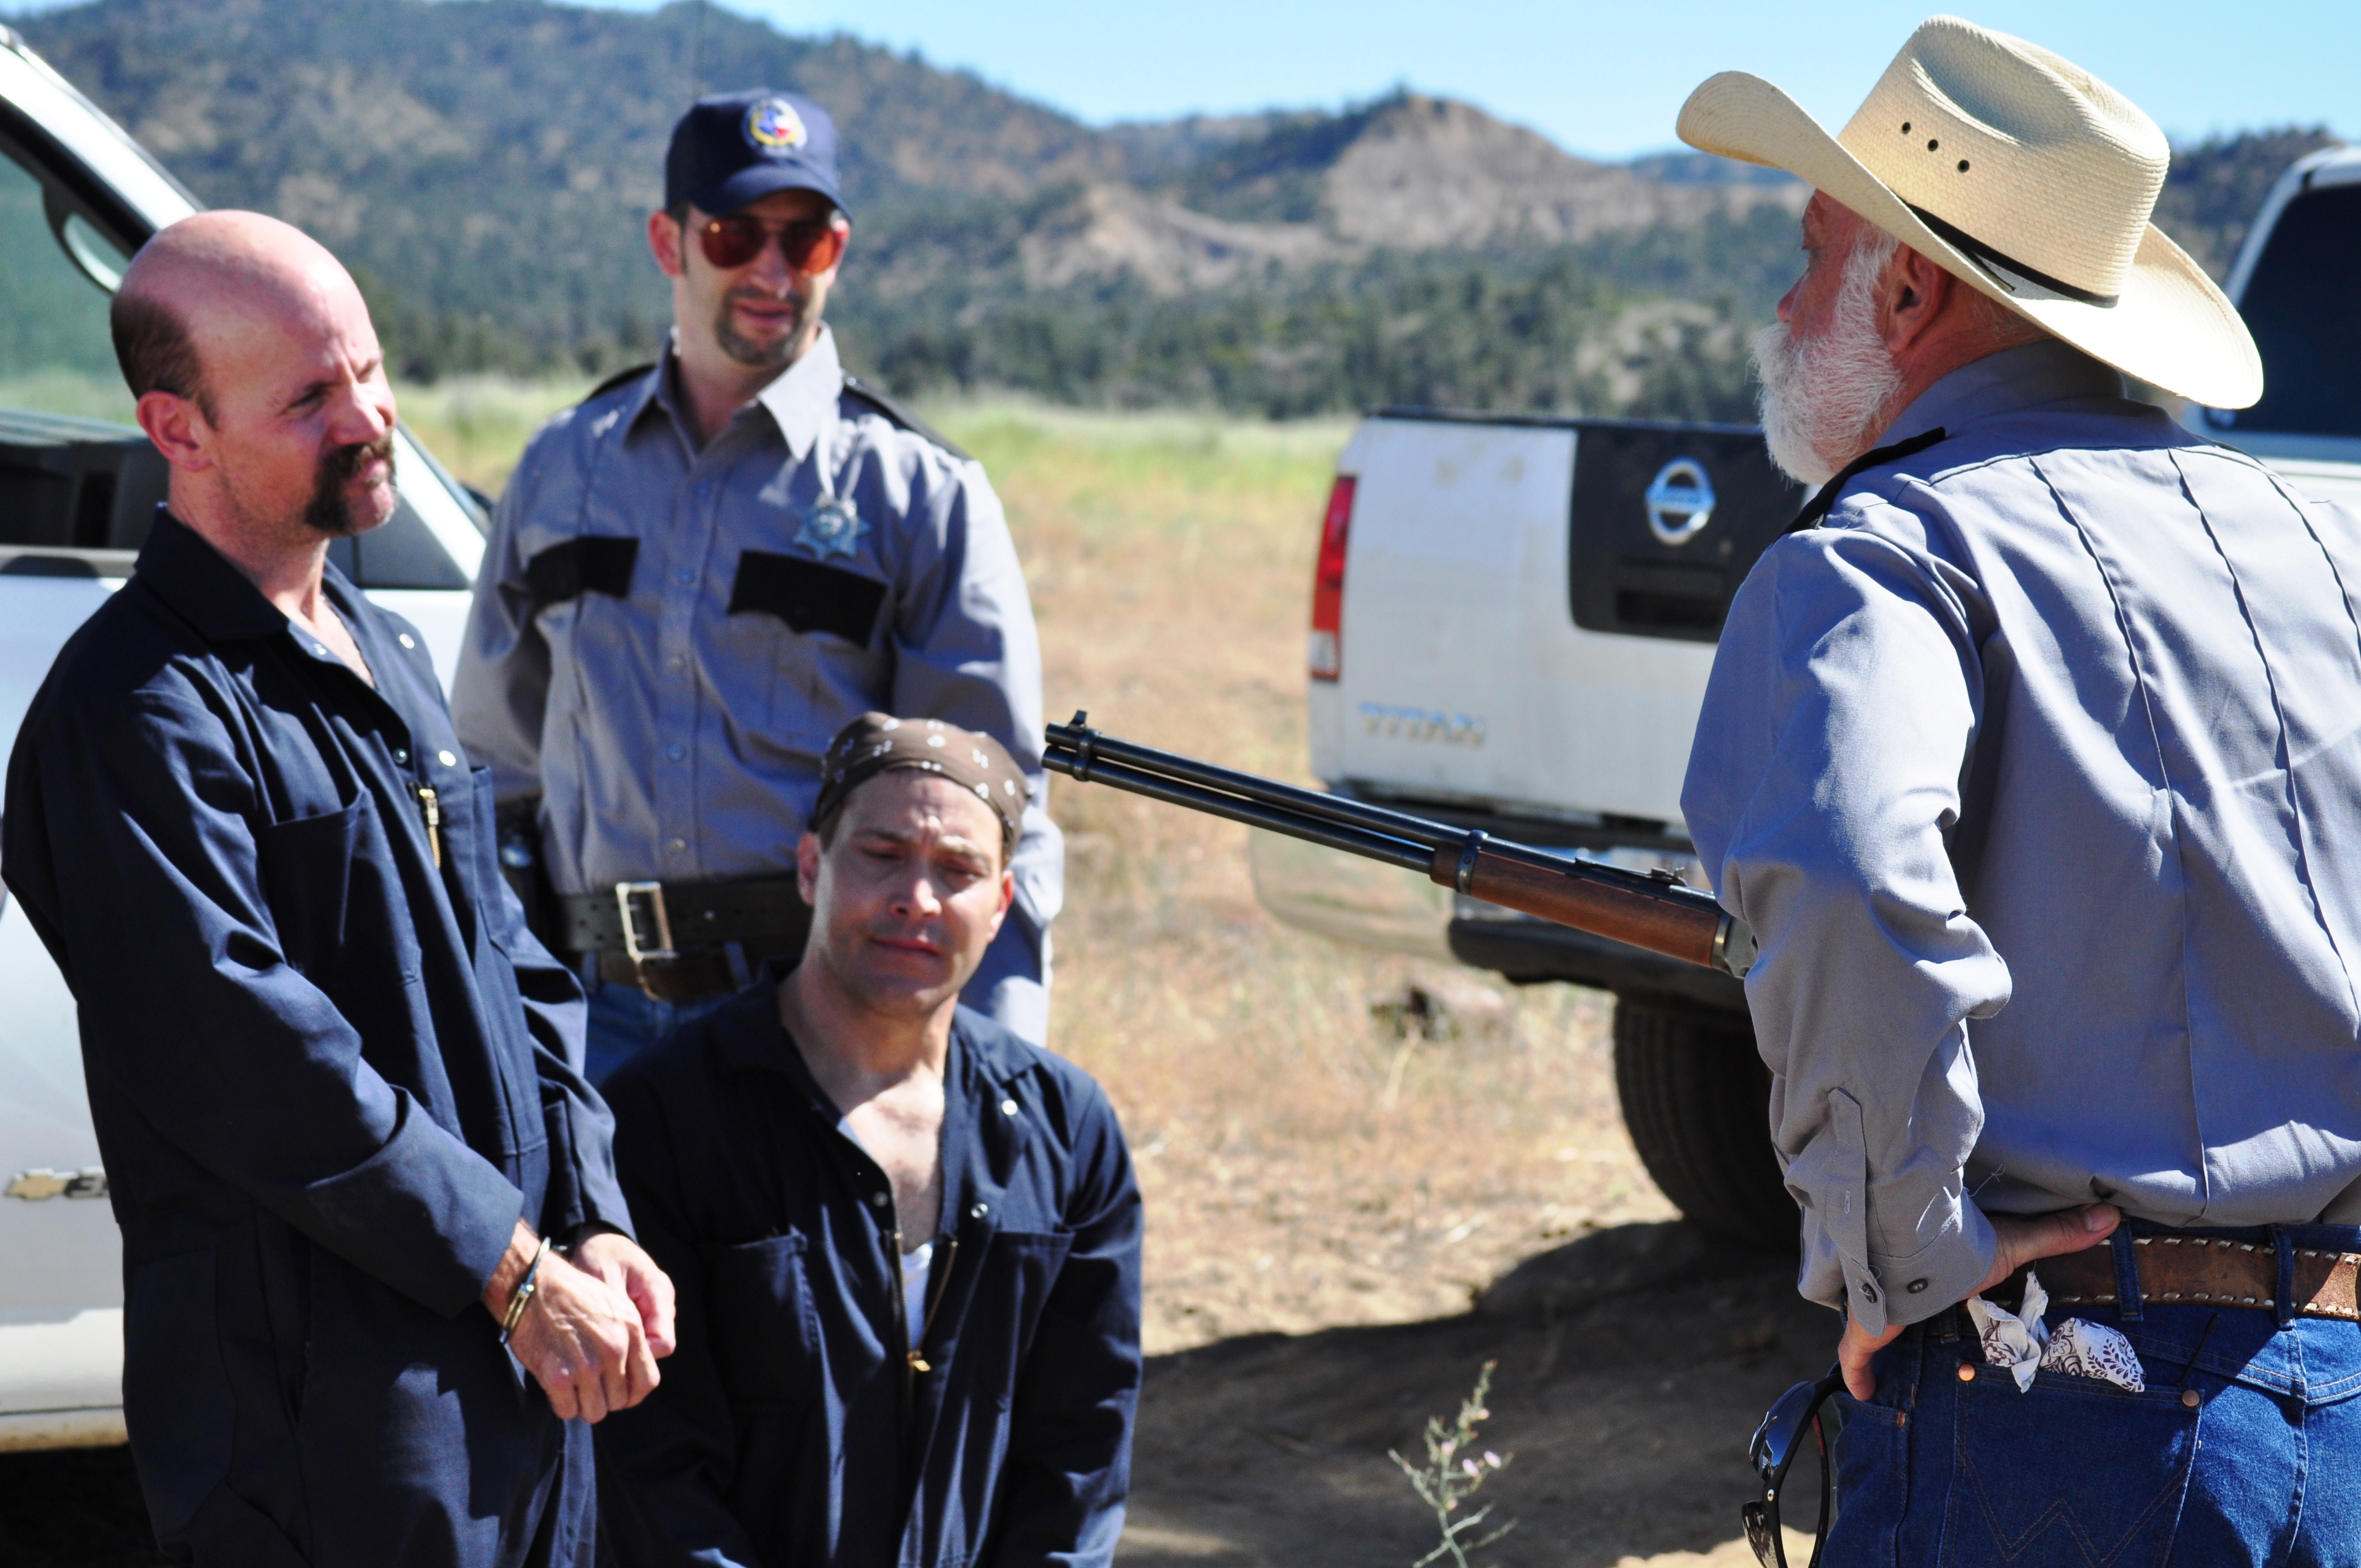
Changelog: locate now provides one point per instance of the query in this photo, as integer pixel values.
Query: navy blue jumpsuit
(795, 1428)
(329, 1071)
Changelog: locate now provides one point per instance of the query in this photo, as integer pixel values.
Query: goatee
(329, 510)
(774, 355)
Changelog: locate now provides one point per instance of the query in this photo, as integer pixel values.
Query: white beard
(1825, 396)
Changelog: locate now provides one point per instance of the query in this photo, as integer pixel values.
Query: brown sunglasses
(808, 244)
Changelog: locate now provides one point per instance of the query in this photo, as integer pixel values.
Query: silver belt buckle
(625, 892)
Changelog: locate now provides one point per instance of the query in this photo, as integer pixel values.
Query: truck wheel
(1697, 1099)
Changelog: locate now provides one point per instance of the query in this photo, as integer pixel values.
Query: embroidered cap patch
(773, 125)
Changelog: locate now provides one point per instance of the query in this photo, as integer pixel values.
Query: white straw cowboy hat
(2025, 176)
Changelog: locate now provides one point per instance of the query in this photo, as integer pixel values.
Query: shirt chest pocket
(336, 898)
(1020, 1270)
(813, 636)
(761, 1321)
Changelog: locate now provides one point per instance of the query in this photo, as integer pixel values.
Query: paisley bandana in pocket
(2021, 1342)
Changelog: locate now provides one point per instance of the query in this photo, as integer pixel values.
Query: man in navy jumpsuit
(907, 1241)
(337, 1084)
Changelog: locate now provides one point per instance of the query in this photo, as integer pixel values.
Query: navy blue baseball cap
(734, 148)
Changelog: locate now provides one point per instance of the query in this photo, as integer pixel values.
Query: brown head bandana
(877, 742)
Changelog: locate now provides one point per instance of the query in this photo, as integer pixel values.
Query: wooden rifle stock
(1656, 912)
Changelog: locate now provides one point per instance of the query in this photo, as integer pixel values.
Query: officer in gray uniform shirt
(702, 572)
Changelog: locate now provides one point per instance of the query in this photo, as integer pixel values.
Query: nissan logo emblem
(1680, 500)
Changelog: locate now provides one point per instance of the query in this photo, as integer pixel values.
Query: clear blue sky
(1604, 79)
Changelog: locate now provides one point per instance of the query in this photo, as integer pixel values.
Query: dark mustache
(328, 513)
(341, 464)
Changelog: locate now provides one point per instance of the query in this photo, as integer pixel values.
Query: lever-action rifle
(1655, 911)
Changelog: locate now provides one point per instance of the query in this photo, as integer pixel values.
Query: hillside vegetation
(485, 167)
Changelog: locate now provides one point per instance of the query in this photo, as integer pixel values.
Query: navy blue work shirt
(791, 1427)
(328, 1068)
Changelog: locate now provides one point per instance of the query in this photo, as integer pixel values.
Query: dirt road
(1625, 1414)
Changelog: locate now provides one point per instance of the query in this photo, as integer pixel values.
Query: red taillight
(1327, 642)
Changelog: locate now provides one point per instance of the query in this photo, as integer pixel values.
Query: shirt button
(446, 759)
(679, 662)
(877, 1199)
(976, 1213)
(1917, 1286)
(676, 752)
(1869, 1292)
(1008, 1107)
(676, 845)
(401, 756)
(407, 641)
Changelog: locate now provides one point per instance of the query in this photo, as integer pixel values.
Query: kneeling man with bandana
(905, 1241)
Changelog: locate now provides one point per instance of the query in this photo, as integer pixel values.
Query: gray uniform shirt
(2036, 771)
(670, 704)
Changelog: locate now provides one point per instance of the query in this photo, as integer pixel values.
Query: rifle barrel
(1254, 814)
(1088, 748)
(1647, 911)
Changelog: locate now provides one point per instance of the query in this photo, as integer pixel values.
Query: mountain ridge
(486, 168)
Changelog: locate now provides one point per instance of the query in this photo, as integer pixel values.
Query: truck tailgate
(1510, 637)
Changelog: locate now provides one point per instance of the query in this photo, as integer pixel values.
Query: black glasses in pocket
(1801, 1422)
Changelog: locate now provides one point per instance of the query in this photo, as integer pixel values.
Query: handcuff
(524, 1290)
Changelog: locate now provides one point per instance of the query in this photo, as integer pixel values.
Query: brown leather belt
(2211, 1271)
(673, 939)
(684, 977)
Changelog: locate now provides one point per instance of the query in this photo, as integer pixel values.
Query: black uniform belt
(652, 919)
(684, 941)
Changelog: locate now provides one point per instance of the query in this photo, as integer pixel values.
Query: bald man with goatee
(378, 1275)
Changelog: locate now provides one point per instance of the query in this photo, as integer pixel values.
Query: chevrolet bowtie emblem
(34, 1185)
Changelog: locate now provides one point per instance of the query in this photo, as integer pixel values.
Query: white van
(77, 492)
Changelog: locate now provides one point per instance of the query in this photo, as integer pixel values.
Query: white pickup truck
(77, 196)
(1512, 622)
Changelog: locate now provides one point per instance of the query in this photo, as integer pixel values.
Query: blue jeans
(625, 1021)
(1950, 1465)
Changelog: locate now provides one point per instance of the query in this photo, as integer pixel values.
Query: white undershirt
(916, 1265)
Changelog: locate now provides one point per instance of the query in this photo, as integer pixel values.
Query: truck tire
(1696, 1100)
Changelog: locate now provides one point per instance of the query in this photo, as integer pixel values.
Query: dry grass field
(1305, 1165)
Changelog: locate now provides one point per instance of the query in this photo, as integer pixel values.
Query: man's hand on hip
(580, 1337)
(2016, 1243)
(624, 1263)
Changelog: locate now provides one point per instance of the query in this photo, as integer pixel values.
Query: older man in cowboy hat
(2033, 755)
